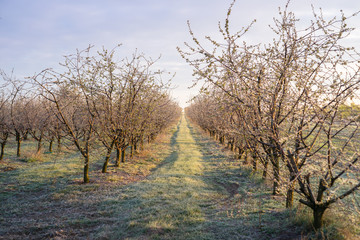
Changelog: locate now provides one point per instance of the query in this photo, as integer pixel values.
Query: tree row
(285, 104)
(94, 101)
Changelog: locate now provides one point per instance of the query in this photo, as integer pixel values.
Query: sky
(36, 34)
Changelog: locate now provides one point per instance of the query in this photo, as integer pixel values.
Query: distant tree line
(284, 106)
(96, 100)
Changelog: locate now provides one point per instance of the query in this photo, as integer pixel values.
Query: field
(184, 186)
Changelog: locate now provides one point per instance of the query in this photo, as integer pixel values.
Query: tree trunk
(131, 151)
(39, 146)
(18, 140)
(86, 169)
(123, 155)
(290, 192)
(276, 169)
(107, 156)
(118, 156)
(290, 195)
(241, 152)
(246, 158)
(59, 144)
(254, 162)
(2, 150)
(318, 213)
(105, 165)
(266, 163)
(51, 145)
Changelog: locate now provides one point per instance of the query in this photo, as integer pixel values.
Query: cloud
(36, 34)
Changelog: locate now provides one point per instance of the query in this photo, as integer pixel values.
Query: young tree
(18, 105)
(71, 93)
(36, 120)
(4, 121)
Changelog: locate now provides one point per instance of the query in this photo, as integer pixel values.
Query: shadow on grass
(174, 154)
(27, 194)
(164, 206)
(247, 209)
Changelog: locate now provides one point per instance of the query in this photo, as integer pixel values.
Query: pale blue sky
(35, 34)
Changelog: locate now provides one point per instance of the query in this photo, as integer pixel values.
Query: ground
(191, 188)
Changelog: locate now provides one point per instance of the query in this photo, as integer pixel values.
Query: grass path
(170, 203)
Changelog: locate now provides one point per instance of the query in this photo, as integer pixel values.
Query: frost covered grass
(185, 186)
(198, 192)
(42, 195)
